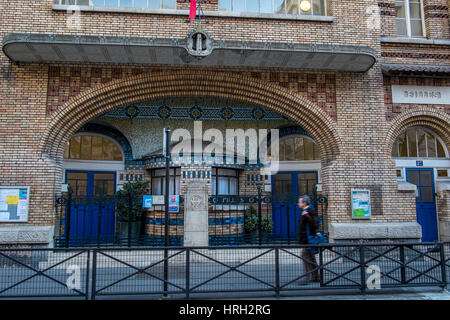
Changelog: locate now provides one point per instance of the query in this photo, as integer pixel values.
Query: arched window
(298, 148)
(87, 147)
(417, 142)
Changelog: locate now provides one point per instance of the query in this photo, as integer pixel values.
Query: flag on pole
(193, 9)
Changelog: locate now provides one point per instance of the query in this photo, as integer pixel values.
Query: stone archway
(436, 121)
(188, 83)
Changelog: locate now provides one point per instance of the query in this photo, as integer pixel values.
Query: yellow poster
(12, 199)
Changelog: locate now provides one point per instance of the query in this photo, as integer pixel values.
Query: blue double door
(92, 212)
(425, 202)
(286, 188)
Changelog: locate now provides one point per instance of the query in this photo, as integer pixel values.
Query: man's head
(304, 201)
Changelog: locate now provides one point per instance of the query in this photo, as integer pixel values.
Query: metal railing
(212, 271)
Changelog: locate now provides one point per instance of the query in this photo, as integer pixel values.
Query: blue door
(286, 188)
(92, 213)
(425, 202)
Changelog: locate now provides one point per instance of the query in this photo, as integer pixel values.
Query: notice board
(14, 204)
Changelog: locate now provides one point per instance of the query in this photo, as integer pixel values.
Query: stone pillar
(196, 215)
(443, 208)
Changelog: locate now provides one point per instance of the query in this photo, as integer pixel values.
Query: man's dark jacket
(307, 219)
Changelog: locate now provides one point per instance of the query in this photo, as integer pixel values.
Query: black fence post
(443, 266)
(69, 207)
(130, 212)
(277, 272)
(87, 273)
(94, 274)
(188, 271)
(402, 262)
(321, 265)
(259, 215)
(99, 223)
(362, 269)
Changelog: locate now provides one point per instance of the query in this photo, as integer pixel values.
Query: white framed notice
(14, 204)
(361, 204)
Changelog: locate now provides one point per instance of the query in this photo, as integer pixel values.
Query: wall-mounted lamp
(305, 5)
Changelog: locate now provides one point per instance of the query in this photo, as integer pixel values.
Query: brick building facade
(349, 75)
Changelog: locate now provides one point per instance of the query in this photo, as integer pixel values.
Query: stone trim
(26, 234)
(375, 230)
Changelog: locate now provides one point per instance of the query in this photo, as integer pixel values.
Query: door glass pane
(107, 149)
(282, 184)
(413, 177)
(299, 149)
(117, 154)
(426, 194)
(265, 6)
(431, 145)
(289, 149)
(75, 145)
(403, 147)
(278, 6)
(426, 178)
(104, 184)
(412, 143)
(78, 182)
(421, 137)
(440, 150)
(309, 152)
(97, 148)
(86, 148)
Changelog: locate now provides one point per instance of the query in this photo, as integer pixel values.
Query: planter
(135, 229)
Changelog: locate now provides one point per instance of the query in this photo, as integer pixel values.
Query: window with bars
(409, 18)
(295, 7)
(86, 147)
(418, 143)
(140, 4)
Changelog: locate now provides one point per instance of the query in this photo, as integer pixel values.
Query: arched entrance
(420, 151)
(188, 85)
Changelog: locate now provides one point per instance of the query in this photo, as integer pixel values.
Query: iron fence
(44, 273)
(185, 272)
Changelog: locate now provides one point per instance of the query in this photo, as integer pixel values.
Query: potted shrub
(130, 216)
(251, 224)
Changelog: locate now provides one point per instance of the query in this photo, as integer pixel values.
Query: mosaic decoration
(196, 113)
(164, 112)
(258, 113)
(226, 113)
(233, 113)
(132, 111)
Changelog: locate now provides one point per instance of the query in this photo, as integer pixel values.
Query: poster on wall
(14, 202)
(361, 204)
(174, 203)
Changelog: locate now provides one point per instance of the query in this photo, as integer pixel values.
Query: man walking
(308, 218)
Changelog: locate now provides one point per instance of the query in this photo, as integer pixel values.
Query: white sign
(420, 94)
(14, 203)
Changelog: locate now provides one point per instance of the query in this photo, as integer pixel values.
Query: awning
(50, 48)
(415, 69)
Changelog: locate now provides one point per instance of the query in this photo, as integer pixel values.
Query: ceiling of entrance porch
(49, 48)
